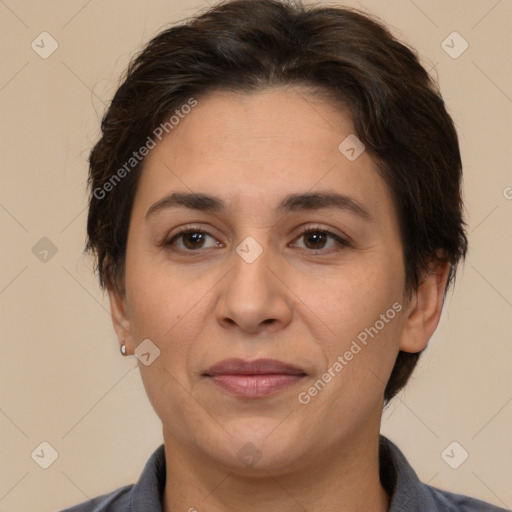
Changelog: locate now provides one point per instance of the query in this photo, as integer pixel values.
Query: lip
(254, 379)
(237, 366)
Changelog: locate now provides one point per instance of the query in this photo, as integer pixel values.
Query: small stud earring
(123, 349)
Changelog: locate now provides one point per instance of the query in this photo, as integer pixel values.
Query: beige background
(63, 380)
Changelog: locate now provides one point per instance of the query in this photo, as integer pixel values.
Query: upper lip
(256, 367)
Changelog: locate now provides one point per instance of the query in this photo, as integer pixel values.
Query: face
(300, 261)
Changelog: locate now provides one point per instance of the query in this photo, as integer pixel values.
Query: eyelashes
(193, 238)
(325, 233)
(190, 231)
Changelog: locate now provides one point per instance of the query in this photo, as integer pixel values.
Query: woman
(276, 214)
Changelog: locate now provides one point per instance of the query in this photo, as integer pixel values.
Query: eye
(316, 238)
(192, 238)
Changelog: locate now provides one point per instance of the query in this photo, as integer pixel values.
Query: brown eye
(316, 239)
(191, 240)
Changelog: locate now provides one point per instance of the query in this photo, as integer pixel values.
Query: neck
(343, 479)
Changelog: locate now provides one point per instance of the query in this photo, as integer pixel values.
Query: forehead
(260, 147)
(276, 124)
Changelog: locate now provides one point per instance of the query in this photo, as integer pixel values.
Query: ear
(424, 310)
(121, 318)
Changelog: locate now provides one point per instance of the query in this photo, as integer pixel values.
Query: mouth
(254, 379)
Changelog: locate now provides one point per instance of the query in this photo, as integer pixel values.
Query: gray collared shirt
(407, 492)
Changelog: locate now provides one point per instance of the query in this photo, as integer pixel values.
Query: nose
(254, 297)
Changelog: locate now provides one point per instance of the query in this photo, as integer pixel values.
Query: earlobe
(424, 311)
(120, 317)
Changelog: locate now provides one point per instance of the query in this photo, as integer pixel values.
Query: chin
(259, 446)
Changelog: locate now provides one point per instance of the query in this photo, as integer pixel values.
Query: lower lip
(255, 386)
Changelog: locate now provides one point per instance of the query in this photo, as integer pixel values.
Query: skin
(301, 301)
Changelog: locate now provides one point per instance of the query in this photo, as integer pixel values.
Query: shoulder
(144, 496)
(452, 502)
(407, 492)
(115, 501)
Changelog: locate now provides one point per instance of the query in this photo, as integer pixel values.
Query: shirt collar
(406, 491)
(401, 482)
(148, 493)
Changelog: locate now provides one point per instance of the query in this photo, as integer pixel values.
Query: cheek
(151, 302)
(362, 308)
(167, 306)
(359, 358)
(351, 299)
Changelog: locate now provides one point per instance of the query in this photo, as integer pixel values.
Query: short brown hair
(247, 45)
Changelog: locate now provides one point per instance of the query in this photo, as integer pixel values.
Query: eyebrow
(294, 202)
